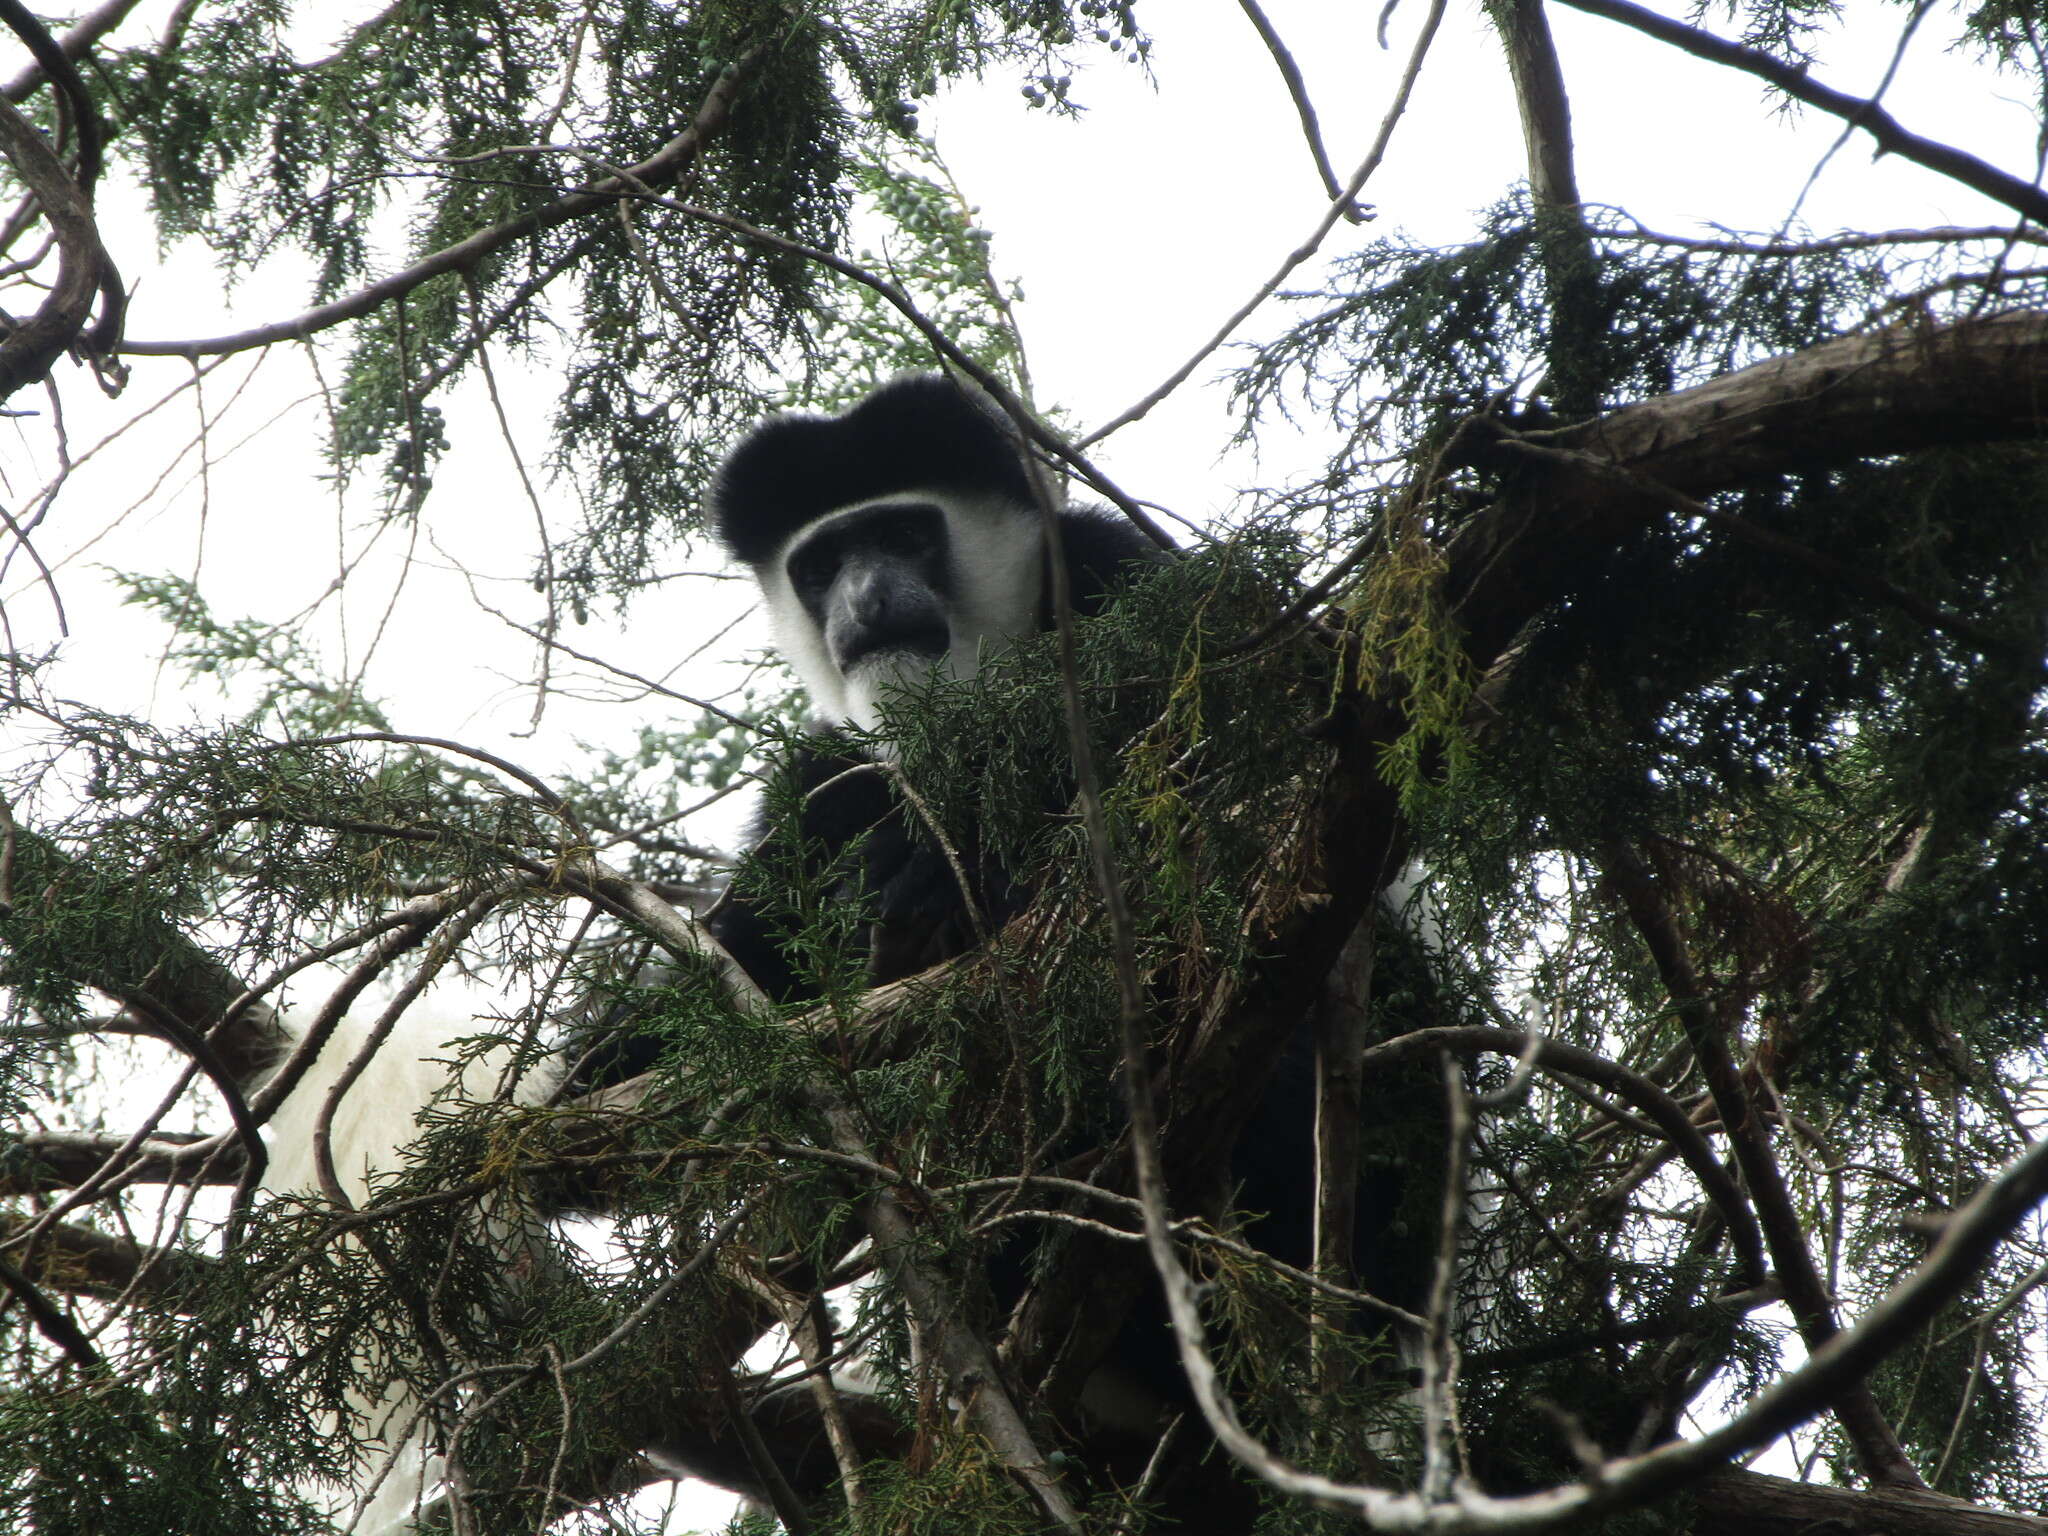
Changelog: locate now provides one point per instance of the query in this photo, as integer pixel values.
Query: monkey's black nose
(883, 607)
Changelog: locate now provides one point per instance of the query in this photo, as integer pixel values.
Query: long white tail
(375, 1120)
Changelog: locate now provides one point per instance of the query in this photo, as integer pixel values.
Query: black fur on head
(922, 432)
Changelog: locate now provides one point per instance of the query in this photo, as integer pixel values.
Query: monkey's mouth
(893, 649)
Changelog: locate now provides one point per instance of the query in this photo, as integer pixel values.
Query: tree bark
(1737, 1503)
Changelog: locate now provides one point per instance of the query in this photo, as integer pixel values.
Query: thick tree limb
(1735, 1503)
(47, 1160)
(163, 964)
(1540, 95)
(79, 1261)
(1909, 386)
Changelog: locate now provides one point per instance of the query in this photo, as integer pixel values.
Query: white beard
(883, 674)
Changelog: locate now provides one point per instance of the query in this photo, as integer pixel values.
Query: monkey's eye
(812, 568)
(907, 536)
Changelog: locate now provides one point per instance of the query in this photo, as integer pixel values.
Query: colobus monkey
(897, 539)
(900, 537)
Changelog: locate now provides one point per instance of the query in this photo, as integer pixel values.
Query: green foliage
(1823, 739)
(416, 128)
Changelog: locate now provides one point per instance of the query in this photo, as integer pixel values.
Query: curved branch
(1305, 109)
(83, 266)
(73, 45)
(63, 75)
(1892, 138)
(660, 169)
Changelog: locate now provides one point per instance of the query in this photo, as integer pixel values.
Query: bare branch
(88, 1263)
(1794, 81)
(1301, 253)
(1540, 94)
(1297, 92)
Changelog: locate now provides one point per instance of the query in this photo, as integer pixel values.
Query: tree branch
(84, 269)
(1305, 109)
(74, 44)
(970, 1366)
(1874, 395)
(1669, 1117)
(83, 1262)
(1737, 1503)
(1792, 79)
(47, 1160)
(660, 169)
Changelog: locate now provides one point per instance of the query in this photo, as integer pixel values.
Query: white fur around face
(994, 549)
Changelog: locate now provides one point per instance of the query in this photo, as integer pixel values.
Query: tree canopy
(1658, 612)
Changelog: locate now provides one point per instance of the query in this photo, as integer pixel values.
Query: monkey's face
(881, 594)
(878, 583)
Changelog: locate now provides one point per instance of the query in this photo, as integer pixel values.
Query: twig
(1341, 1024)
(1192, 1230)
(1443, 1464)
(1154, 1465)
(1301, 253)
(1297, 92)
